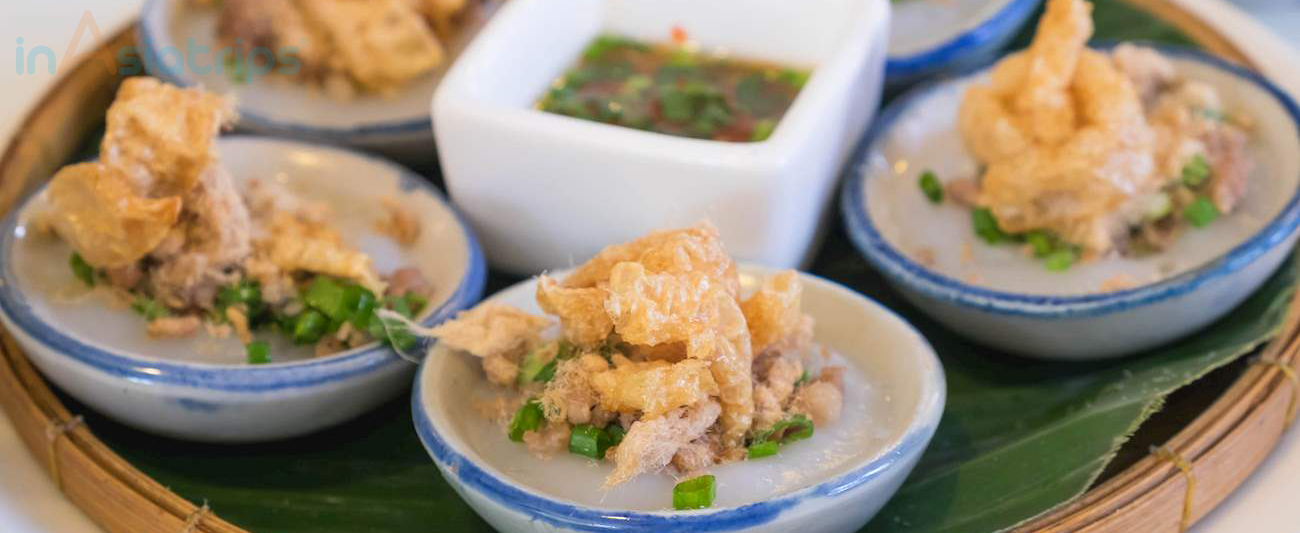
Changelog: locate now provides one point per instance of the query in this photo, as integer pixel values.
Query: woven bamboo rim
(1219, 449)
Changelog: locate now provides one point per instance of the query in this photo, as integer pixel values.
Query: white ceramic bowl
(547, 191)
(999, 297)
(834, 481)
(178, 43)
(200, 388)
(934, 37)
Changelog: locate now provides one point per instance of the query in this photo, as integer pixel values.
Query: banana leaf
(1018, 438)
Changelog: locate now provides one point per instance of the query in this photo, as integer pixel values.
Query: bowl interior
(920, 133)
(353, 185)
(182, 35)
(922, 25)
(894, 388)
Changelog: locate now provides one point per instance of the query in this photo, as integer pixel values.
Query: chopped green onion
(794, 428)
(399, 305)
(82, 270)
(329, 297)
(364, 312)
(1159, 207)
(588, 441)
(1061, 259)
(259, 353)
(986, 226)
(803, 378)
(616, 433)
(763, 449)
(797, 427)
(931, 187)
(1201, 212)
(246, 293)
(1041, 242)
(695, 493)
(675, 105)
(309, 326)
(415, 302)
(532, 367)
(1196, 171)
(527, 418)
(762, 130)
(149, 308)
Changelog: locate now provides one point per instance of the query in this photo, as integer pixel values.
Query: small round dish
(835, 481)
(997, 296)
(934, 37)
(200, 388)
(178, 44)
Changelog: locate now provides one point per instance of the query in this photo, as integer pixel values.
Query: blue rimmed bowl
(1000, 297)
(834, 481)
(200, 388)
(933, 37)
(178, 44)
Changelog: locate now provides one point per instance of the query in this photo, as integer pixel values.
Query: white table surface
(29, 502)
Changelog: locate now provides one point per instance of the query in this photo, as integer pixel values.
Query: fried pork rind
(581, 311)
(653, 387)
(774, 312)
(490, 328)
(98, 213)
(162, 136)
(380, 43)
(1062, 133)
(651, 309)
(569, 395)
(294, 243)
(695, 249)
(652, 442)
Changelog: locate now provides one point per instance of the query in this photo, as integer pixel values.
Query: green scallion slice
(527, 418)
(803, 378)
(1061, 259)
(330, 297)
(415, 302)
(1196, 171)
(616, 433)
(259, 353)
(1041, 242)
(588, 441)
(399, 305)
(986, 226)
(533, 367)
(149, 308)
(694, 493)
(930, 185)
(82, 270)
(309, 326)
(1201, 212)
(763, 449)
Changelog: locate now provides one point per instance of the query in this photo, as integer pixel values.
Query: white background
(29, 502)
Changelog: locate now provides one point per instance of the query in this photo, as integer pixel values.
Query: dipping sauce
(671, 89)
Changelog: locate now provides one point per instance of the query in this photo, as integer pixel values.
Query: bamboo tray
(1209, 453)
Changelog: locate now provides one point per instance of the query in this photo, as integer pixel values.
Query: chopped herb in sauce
(669, 89)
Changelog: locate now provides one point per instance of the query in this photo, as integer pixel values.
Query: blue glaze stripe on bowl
(992, 32)
(153, 34)
(251, 379)
(886, 258)
(567, 515)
